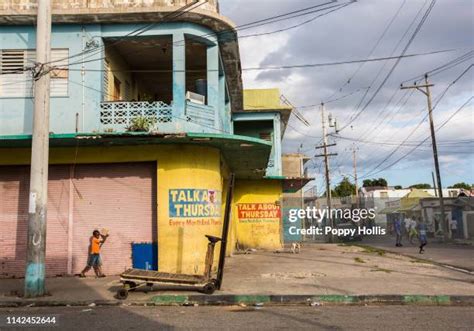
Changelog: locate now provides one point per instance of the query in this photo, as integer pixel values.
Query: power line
(413, 149)
(282, 67)
(254, 24)
(372, 50)
(135, 32)
(337, 7)
(417, 29)
(452, 63)
(423, 119)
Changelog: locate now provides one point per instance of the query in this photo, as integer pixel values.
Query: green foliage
(381, 182)
(398, 187)
(461, 185)
(344, 189)
(141, 124)
(420, 186)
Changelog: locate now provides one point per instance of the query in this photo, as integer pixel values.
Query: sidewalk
(451, 254)
(325, 270)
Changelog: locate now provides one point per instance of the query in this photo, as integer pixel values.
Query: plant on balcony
(141, 124)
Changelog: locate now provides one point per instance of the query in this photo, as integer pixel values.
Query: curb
(439, 264)
(259, 300)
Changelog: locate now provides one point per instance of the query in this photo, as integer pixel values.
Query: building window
(15, 76)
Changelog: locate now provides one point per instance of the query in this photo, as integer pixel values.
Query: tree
(398, 187)
(344, 189)
(461, 185)
(420, 186)
(381, 182)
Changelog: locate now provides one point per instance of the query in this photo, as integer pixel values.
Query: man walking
(422, 236)
(398, 231)
(94, 261)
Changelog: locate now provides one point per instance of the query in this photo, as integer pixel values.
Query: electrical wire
(423, 119)
(414, 148)
(338, 7)
(379, 40)
(379, 88)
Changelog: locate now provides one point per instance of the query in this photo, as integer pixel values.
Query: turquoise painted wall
(252, 124)
(16, 114)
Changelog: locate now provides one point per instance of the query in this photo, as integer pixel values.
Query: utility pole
(354, 159)
(434, 183)
(427, 92)
(38, 197)
(326, 168)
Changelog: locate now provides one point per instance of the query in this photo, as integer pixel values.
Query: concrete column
(179, 75)
(225, 118)
(213, 84)
(277, 144)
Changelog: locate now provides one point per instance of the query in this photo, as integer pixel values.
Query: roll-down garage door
(120, 197)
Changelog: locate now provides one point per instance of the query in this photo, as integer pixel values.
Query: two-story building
(147, 122)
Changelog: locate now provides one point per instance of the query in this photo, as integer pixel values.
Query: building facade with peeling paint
(162, 184)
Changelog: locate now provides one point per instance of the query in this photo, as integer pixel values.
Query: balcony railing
(119, 114)
(200, 114)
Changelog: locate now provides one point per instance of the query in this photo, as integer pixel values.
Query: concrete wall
(292, 165)
(16, 114)
(256, 214)
(96, 5)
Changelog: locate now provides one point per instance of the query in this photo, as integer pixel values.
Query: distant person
(398, 231)
(454, 228)
(94, 261)
(422, 236)
(412, 233)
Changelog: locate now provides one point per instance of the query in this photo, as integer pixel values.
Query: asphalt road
(265, 318)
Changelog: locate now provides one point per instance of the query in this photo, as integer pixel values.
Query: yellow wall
(181, 248)
(255, 231)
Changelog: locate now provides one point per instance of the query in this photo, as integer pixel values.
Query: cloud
(351, 33)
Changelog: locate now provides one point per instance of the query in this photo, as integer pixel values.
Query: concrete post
(179, 75)
(213, 84)
(38, 198)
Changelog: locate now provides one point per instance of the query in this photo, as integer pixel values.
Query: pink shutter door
(14, 188)
(119, 197)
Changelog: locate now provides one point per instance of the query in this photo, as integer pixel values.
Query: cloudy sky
(351, 33)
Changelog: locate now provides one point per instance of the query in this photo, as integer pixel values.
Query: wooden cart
(136, 278)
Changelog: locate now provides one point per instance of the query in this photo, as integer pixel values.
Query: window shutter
(59, 77)
(16, 81)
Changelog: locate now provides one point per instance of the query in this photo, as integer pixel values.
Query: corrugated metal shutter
(14, 187)
(119, 197)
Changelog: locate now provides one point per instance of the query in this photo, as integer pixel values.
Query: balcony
(117, 116)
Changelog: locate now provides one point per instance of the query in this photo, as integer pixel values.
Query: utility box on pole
(38, 197)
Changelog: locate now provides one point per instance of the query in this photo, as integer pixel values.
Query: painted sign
(194, 206)
(258, 212)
